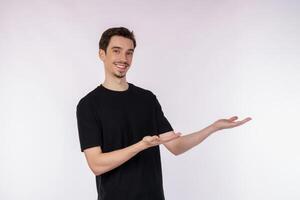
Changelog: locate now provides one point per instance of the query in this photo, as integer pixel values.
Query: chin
(118, 75)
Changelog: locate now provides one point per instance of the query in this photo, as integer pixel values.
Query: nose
(123, 57)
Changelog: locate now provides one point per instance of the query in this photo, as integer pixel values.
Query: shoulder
(143, 91)
(87, 99)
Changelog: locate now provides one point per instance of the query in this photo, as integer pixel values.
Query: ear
(102, 54)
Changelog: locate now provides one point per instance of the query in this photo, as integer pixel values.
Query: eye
(116, 51)
(130, 53)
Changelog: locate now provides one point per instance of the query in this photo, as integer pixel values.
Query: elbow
(95, 161)
(178, 151)
(97, 171)
(175, 153)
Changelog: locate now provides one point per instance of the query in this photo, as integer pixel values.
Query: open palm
(161, 139)
(229, 123)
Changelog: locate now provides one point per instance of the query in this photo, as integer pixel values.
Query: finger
(153, 138)
(156, 138)
(246, 120)
(178, 134)
(238, 123)
(233, 118)
(154, 141)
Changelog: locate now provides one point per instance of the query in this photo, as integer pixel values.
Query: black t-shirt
(115, 120)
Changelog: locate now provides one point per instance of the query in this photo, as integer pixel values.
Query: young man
(121, 126)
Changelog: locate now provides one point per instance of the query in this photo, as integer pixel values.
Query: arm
(186, 142)
(100, 162)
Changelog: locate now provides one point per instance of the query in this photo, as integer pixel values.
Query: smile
(121, 67)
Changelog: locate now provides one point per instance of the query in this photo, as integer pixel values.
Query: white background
(204, 60)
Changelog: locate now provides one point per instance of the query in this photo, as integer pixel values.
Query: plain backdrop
(204, 60)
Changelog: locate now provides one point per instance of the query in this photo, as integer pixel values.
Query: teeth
(121, 66)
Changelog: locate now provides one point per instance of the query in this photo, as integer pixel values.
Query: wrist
(213, 128)
(141, 145)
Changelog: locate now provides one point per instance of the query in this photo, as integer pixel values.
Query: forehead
(120, 41)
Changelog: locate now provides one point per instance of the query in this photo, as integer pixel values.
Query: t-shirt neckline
(115, 91)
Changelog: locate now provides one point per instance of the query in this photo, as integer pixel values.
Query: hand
(154, 140)
(229, 123)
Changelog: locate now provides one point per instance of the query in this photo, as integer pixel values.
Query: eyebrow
(116, 47)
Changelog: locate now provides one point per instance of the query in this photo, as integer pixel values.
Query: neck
(118, 84)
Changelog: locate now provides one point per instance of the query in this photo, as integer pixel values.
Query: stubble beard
(119, 76)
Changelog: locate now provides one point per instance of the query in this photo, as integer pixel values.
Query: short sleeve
(88, 128)
(163, 123)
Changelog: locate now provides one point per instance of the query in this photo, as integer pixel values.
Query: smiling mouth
(121, 67)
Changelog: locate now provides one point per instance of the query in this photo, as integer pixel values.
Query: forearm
(186, 142)
(110, 160)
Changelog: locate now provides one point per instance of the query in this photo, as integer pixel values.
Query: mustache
(122, 63)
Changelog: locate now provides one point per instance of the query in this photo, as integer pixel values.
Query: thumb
(233, 118)
(178, 133)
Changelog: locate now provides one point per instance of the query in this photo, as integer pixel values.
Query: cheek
(110, 60)
(129, 58)
(109, 64)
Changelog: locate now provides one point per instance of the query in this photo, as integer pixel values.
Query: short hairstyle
(115, 31)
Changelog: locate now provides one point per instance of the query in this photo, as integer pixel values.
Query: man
(121, 126)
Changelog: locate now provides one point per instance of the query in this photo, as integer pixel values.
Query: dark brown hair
(118, 31)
